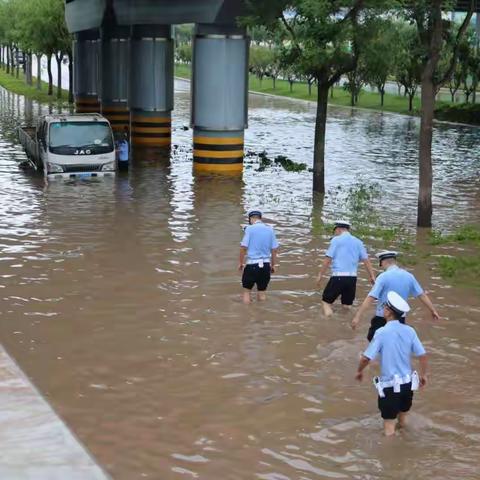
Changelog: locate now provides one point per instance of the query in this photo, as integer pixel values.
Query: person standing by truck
(123, 149)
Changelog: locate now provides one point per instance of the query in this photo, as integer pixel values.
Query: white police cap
(386, 254)
(397, 303)
(342, 223)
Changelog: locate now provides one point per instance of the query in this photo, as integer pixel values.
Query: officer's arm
(427, 302)
(274, 260)
(327, 261)
(367, 303)
(241, 261)
(371, 273)
(364, 361)
(423, 369)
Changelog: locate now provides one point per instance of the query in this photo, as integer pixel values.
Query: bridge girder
(87, 14)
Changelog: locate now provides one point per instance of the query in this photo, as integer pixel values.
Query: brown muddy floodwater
(120, 299)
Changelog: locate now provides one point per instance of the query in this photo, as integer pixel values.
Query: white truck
(71, 146)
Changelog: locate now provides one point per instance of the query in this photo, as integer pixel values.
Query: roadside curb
(35, 443)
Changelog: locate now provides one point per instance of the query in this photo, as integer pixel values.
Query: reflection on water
(121, 301)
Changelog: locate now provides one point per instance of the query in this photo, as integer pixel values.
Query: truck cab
(70, 146)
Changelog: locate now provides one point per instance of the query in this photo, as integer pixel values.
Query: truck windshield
(80, 138)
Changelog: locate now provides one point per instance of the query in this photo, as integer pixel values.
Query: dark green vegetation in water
(280, 160)
(460, 113)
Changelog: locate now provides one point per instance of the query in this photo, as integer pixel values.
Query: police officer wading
(260, 247)
(343, 255)
(394, 279)
(395, 343)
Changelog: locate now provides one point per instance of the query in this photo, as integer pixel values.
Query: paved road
(35, 444)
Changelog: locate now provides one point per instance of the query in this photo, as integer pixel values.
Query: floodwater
(120, 299)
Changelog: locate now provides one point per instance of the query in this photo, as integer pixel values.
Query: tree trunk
(58, 57)
(319, 143)
(8, 60)
(29, 68)
(309, 89)
(70, 78)
(17, 64)
(12, 68)
(331, 91)
(382, 95)
(291, 86)
(274, 79)
(410, 101)
(25, 65)
(50, 78)
(424, 218)
(39, 71)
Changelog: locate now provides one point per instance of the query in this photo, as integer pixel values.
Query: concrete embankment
(35, 444)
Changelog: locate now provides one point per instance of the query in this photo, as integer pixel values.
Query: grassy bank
(18, 86)
(370, 100)
(462, 263)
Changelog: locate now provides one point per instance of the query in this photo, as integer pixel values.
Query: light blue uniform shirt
(123, 151)
(395, 343)
(259, 239)
(397, 280)
(346, 251)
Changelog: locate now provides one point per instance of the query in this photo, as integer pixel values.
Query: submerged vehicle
(71, 146)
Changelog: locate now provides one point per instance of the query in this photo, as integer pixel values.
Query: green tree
(408, 68)
(381, 54)
(259, 35)
(433, 34)
(316, 38)
(184, 53)
(455, 81)
(183, 34)
(10, 17)
(469, 68)
(260, 61)
(356, 79)
(275, 68)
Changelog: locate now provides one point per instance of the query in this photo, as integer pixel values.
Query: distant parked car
(19, 59)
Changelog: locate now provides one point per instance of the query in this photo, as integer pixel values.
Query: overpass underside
(124, 65)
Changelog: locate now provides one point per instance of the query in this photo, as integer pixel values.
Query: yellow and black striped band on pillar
(118, 116)
(151, 131)
(87, 104)
(218, 154)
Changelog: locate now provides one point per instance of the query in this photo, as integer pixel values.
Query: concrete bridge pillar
(219, 97)
(151, 91)
(115, 53)
(85, 76)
